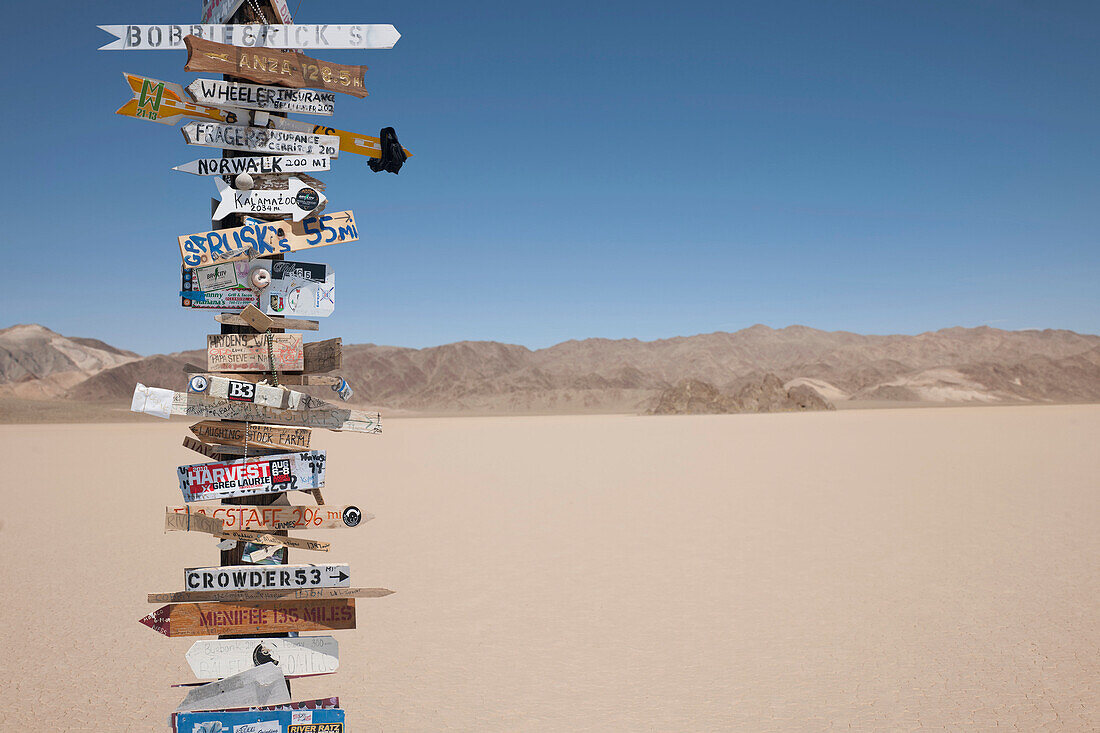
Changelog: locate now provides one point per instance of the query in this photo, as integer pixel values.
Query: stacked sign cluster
(254, 426)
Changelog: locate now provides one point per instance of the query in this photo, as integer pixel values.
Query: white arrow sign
(260, 139)
(298, 200)
(256, 165)
(217, 658)
(166, 37)
(263, 685)
(255, 96)
(281, 577)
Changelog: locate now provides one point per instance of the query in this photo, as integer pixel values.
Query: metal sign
(262, 685)
(280, 721)
(214, 659)
(298, 200)
(254, 352)
(256, 166)
(318, 704)
(266, 595)
(170, 37)
(238, 390)
(239, 95)
(284, 577)
(164, 403)
(260, 617)
(288, 68)
(299, 289)
(274, 517)
(252, 436)
(349, 142)
(267, 237)
(248, 476)
(260, 139)
(165, 102)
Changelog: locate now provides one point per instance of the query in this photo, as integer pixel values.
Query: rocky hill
(35, 362)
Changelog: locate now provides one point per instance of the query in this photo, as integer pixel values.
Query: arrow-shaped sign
(349, 142)
(211, 526)
(168, 37)
(298, 200)
(266, 595)
(261, 617)
(250, 577)
(267, 237)
(260, 139)
(256, 165)
(210, 659)
(255, 96)
(262, 685)
(165, 102)
(273, 517)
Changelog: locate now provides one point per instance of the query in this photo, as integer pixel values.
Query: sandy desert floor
(876, 570)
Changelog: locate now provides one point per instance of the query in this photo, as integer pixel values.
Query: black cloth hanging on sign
(393, 155)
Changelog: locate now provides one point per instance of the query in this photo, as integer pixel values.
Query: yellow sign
(165, 102)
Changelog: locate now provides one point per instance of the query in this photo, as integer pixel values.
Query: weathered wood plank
(304, 655)
(252, 435)
(257, 393)
(267, 237)
(249, 476)
(267, 595)
(242, 352)
(271, 517)
(259, 617)
(323, 356)
(297, 324)
(256, 318)
(287, 378)
(228, 452)
(212, 526)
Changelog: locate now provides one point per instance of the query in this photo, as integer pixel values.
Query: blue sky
(615, 169)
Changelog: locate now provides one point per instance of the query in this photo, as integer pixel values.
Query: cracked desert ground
(866, 569)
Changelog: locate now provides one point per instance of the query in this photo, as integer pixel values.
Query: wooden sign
(243, 352)
(262, 685)
(259, 617)
(252, 435)
(274, 237)
(169, 37)
(249, 476)
(298, 200)
(259, 139)
(235, 390)
(304, 655)
(350, 142)
(325, 703)
(165, 102)
(267, 66)
(249, 577)
(211, 526)
(305, 380)
(256, 165)
(273, 517)
(266, 595)
(276, 721)
(299, 289)
(239, 95)
(299, 324)
(226, 452)
(165, 403)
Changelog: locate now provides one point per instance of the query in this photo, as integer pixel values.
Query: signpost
(248, 476)
(275, 516)
(214, 659)
(171, 37)
(239, 95)
(260, 139)
(298, 200)
(254, 353)
(165, 102)
(258, 617)
(267, 237)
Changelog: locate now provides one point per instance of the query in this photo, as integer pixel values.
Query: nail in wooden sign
(273, 517)
(243, 352)
(267, 595)
(248, 476)
(283, 721)
(260, 617)
(256, 165)
(235, 390)
(259, 139)
(283, 577)
(299, 289)
(165, 102)
(262, 685)
(325, 703)
(239, 95)
(217, 658)
(274, 237)
(289, 68)
(350, 142)
(171, 37)
(251, 435)
(298, 200)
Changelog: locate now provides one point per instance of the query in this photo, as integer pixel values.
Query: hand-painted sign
(218, 11)
(236, 390)
(248, 476)
(254, 352)
(289, 68)
(285, 577)
(273, 517)
(165, 102)
(349, 142)
(318, 704)
(167, 37)
(209, 525)
(280, 721)
(259, 617)
(298, 200)
(253, 436)
(254, 166)
(260, 139)
(217, 658)
(299, 289)
(262, 685)
(239, 95)
(274, 237)
(164, 403)
(266, 595)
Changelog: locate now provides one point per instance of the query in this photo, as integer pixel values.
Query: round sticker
(198, 383)
(352, 516)
(307, 199)
(260, 278)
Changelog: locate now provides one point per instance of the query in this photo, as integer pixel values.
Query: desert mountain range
(954, 365)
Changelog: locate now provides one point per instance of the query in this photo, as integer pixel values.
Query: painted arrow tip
(159, 620)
